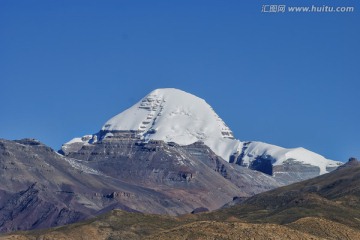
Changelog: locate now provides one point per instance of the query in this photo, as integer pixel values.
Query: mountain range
(170, 154)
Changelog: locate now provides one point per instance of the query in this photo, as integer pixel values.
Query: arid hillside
(322, 208)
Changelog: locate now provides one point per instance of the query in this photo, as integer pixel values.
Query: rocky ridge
(42, 188)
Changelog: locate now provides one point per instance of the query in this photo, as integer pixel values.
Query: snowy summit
(172, 115)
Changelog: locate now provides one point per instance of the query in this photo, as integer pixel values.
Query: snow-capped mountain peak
(173, 115)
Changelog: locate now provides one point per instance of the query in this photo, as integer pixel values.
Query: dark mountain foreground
(41, 188)
(326, 207)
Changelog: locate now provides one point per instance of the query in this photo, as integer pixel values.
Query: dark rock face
(292, 171)
(262, 164)
(41, 188)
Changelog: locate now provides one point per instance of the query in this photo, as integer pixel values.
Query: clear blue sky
(290, 79)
